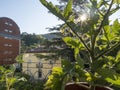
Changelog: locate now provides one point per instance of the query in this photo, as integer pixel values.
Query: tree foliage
(29, 41)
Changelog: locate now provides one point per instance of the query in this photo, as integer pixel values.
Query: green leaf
(11, 81)
(73, 42)
(19, 58)
(114, 81)
(54, 81)
(117, 1)
(68, 9)
(117, 57)
(2, 69)
(98, 64)
(76, 50)
(100, 3)
(55, 10)
(111, 33)
(107, 33)
(106, 73)
(116, 27)
(80, 61)
(67, 65)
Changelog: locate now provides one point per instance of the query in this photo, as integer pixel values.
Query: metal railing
(38, 70)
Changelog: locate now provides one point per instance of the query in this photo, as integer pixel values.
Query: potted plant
(97, 61)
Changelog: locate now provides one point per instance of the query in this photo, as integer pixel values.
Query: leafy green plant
(6, 77)
(17, 81)
(97, 37)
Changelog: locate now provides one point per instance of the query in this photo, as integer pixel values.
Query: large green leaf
(114, 81)
(107, 33)
(116, 27)
(54, 81)
(54, 9)
(68, 9)
(73, 42)
(106, 73)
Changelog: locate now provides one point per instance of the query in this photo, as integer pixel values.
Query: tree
(97, 37)
(29, 41)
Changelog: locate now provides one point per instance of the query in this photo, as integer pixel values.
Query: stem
(7, 84)
(108, 50)
(99, 29)
(104, 18)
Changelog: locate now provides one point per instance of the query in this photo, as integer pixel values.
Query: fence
(39, 70)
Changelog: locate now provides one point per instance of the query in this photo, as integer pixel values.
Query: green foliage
(19, 58)
(55, 10)
(95, 36)
(17, 81)
(29, 41)
(116, 27)
(73, 42)
(68, 9)
(6, 77)
(55, 79)
(117, 1)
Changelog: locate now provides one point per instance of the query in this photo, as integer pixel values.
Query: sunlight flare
(83, 17)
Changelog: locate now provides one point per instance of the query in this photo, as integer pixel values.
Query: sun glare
(83, 17)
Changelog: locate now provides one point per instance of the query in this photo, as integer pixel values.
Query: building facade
(9, 40)
(38, 68)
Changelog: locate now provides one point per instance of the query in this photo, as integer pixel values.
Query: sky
(30, 15)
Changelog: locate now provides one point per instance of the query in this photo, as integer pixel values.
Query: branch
(80, 38)
(108, 50)
(104, 18)
(101, 25)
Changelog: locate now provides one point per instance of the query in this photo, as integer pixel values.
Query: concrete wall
(31, 65)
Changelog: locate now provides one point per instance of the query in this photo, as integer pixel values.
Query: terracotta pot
(73, 86)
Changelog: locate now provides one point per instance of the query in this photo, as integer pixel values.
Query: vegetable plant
(96, 37)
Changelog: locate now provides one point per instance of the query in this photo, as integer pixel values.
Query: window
(7, 45)
(5, 59)
(7, 23)
(10, 52)
(10, 31)
(10, 24)
(6, 37)
(5, 52)
(10, 45)
(6, 30)
(9, 59)
(39, 74)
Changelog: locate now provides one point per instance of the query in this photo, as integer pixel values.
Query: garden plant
(97, 37)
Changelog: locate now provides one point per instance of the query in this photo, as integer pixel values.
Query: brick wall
(9, 41)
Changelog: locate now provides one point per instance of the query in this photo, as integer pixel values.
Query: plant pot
(83, 86)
